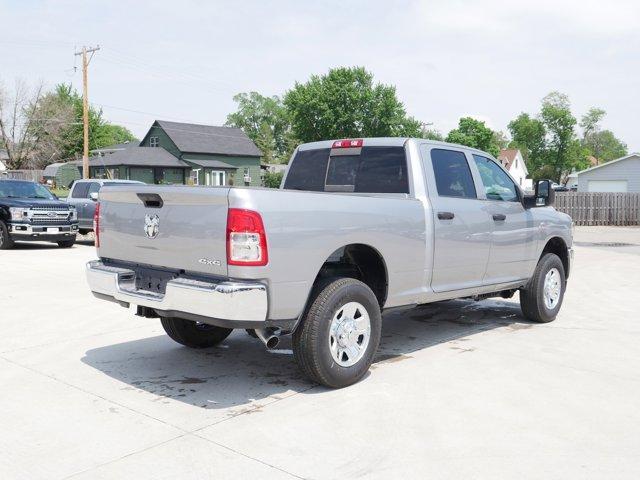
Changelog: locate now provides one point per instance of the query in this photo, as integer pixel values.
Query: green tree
(430, 134)
(265, 121)
(564, 152)
(273, 179)
(474, 133)
(346, 103)
(65, 131)
(605, 146)
(111, 134)
(549, 143)
(590, 121)
(529, 136)
(602, 144)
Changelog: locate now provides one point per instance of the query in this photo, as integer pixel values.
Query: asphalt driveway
(459, 389)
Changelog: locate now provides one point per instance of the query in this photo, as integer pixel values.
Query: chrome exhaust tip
(268, 337)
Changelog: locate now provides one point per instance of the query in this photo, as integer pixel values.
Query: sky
(184, 60)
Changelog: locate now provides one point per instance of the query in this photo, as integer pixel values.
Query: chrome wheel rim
(552, 288)
(349, 334)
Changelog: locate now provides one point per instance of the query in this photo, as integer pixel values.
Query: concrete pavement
(459, 389)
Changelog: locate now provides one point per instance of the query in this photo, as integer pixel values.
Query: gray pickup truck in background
(83, 195)
(358, 227)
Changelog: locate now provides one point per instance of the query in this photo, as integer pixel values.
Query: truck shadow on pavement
(241, 370)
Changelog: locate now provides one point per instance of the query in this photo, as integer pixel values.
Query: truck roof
(387, 142)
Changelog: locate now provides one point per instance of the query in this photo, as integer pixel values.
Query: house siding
(627, 169)
(163, 140)
(240, 163)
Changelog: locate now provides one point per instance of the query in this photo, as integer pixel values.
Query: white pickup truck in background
(358, 226)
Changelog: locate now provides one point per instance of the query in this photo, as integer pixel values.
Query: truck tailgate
(191, 226)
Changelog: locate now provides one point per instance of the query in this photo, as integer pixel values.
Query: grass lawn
(60, 192)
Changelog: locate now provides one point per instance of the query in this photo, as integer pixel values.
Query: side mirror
(94, 196)
(545, 194)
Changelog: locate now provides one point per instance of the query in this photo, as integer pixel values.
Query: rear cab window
(375, 169)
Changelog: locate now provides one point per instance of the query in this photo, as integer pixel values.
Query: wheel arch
(360, 261)
(558, 246)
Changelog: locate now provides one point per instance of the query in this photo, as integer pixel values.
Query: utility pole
(85, 106)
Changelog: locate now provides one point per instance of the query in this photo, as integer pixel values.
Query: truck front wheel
(339, 335)
(5, 240)
(541, 298)
(194, 334)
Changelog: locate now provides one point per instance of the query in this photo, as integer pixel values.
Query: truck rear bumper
(228, 301)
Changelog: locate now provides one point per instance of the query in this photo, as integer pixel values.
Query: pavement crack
(237, 452)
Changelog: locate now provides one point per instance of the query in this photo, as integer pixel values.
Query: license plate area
(153, 280)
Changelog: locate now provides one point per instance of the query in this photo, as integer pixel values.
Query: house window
(153, 142)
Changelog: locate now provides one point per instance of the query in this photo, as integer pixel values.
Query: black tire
(83, 231)
(5, 240)
(311, 340)
(66, 243)
(532, 301)
(192, 334)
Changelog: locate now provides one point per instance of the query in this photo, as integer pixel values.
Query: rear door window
(373, 170)
(453, 175)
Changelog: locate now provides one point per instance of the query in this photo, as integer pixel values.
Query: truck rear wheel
(194, 334)
(339, 335)
(5, 240)
(541, 298)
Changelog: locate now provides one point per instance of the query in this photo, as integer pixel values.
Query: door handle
(499, 217)
(445, 215)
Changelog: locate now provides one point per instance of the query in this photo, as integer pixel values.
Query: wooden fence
(600, 208)
(31, 175)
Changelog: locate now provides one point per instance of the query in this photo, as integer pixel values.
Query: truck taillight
(246, 238)
(96, 225)
(353, 143)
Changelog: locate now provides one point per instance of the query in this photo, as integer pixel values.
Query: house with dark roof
(148, 165)
(215, 155)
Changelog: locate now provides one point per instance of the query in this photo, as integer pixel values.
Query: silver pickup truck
(358, 227)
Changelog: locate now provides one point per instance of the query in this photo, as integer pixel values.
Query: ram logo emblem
(151, 225)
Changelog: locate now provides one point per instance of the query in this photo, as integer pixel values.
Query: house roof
(602, 165)
(51, 169)
(137, 157)
(210, 163)
(117, 146)
(507, 156)
(194, 138)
